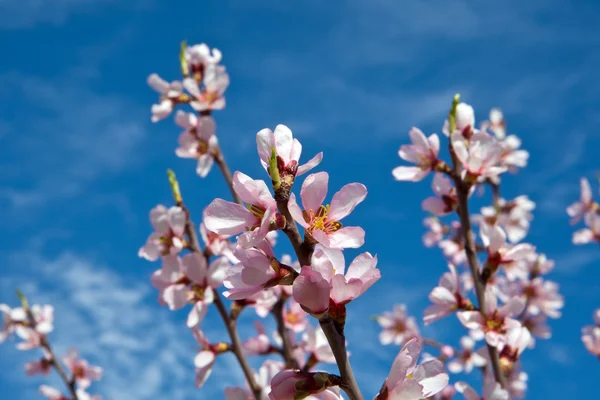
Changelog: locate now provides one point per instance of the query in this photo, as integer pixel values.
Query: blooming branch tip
(174, 186)
(182, 60)
(273, 170)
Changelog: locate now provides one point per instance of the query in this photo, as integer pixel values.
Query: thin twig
(286, 351)
(226, 172)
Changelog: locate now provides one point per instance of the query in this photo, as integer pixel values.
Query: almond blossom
(256, 219)
(466, 359)
(288, 151)
(513, 216)
(321, 222)
(496, 123)
(170, 94)
(479, 156)
(590, 335)
(409, 381)
(447, 297)
(541, 296)
(585, 204)
(199, 56)
(198, 141)
(325, 279)
(496, 322)
(315, 344)
(500, 253)
(295, 384)
(436, 231)
(81, 371)
(259, 344)
(464, 119)
(42, 366)
(205, 359)
(591, 233)
(398, 327)
(257, 270)
(423, 152)
(167, 238)
(446, 202)
(210, 96)
(512, 157)
(294, 317)
(218, 245)
(492, 390)
(517, 340)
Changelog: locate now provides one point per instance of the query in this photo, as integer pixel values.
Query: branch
(462, 191)
(337, 341)
(230, 323)
(286, 351)
(220, 161)
(45, 343)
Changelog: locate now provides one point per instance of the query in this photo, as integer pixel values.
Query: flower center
(257, 211)
(493, 324)
(319, 221)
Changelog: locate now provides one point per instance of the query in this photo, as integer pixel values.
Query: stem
(277, 312)
(45, 343)
(462, 191)
(337, 341)
(220, 161)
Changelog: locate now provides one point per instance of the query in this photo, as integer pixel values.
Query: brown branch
(462, 191)
(286, 350)
(337, 341)
(45, 343)
(226, 172)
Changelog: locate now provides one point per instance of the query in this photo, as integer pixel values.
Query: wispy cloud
(115, 323)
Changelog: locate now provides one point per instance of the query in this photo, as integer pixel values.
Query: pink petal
(347, 237)
(414, 174)
(418, 138)
(196, 315)
(408, 390)
(441, 184)
(346, 200)
(283, 141)
(363, 265)
(311, 290)
(227, 218)
(159, 219)
(177, 220)
(431, 376)
(193, 265)
(313, 162)
(343, 291)
(470, 319)
(205, 163)
(176, 296)
(434, 205)
(295, 211)
(157, 83)
(314, 190)
(186, 120)
(265, 140)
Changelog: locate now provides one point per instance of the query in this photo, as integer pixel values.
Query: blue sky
(82, 165)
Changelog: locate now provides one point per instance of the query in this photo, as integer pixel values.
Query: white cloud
(115, 322)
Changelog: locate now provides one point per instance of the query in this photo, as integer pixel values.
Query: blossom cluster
(32, 325)
(588, 210)
(495, 284)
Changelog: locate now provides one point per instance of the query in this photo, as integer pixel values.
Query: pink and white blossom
(315, 344)
(288, 151)
(466, 359)
(81, 371)
(479, 156)
(492, 390)
(294, 317)
(591, 233)
(496, 322)
(447, 297)
(409, 381)
(200, 55)
(446, 200)
(496, 123)
(169, 96)
(590, 335)
(326, 278)
(259, 344)
(321, 222)
(423, 152)
(435, 233)
(42, 366)
(51, 393)
(291, 384)
(205, 358)
(398, 327)
(585, 205)
(512, 157)
(211, 95)
(218, 245)
(167, 238)
(255, 220)
(511, 257)
(197, 141)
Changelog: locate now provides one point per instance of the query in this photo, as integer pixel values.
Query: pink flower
(467, 358)
(492, 390)
(511, 157)
(447, 297)
(537, 326)
(423, 152)
(11, 317)
(199, 56)
(264, 300)
(454, 250)
(447, 200)
(259, 344)
(167, 238)
(513, 216)
(500, 253)
(465, 121)
(321, 222)
(257, 270)
(590, 335)
(82, 372)
(218, 245)
(227, 218)
(436, 232)
(585, 204)
(398, 327)
(316, 345)
(52, 393)
(197, 141)
(189, 280)
(292, 384)
(32, 338)
(294, 317)
(541, 297)
(496, 123)
(288, 151)
(325, 279)
(479, 156)
(42, 366)
(517, 382)
(408, 381)
(517, 340)
(210, 96)
(169, 96)
(497, 321)
(591, 233)
(205, 358)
